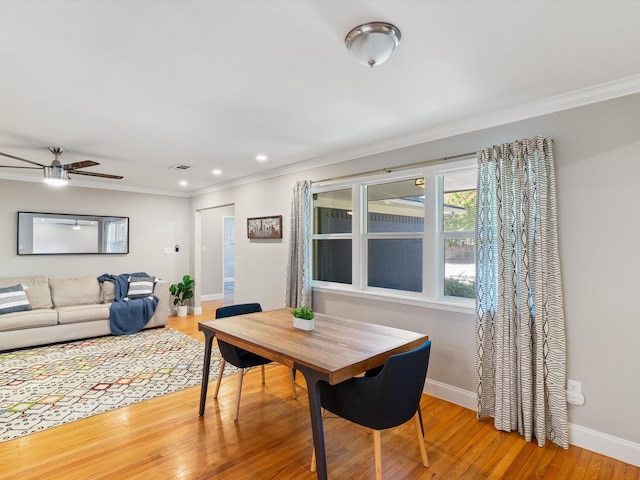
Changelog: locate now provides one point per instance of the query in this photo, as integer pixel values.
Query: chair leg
(423, 449)
(313, 460)
(223, 363)
(262, 368)
(240, 378)
(377, 453)
(293, 382)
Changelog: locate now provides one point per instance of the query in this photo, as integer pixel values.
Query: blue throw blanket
(128, 316)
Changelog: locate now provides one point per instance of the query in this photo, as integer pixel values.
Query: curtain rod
(399, 167)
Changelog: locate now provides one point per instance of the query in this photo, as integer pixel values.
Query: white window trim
(432, 295)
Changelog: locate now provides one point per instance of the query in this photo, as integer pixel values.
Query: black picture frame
(46, 233)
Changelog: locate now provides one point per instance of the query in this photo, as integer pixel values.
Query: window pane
(395, 264)
(459, 268)
(332, 260)
(396, 207)
(459, 201)
(332, 212)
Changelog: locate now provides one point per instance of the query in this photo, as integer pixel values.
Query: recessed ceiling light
(261, 157)
(184, 183)
(217, 171)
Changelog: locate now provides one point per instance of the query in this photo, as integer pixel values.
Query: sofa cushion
(37, 289)
(74, 291)
(108, 291)
(13, 299)
(83, 313)
(42, 317)
(140, 287)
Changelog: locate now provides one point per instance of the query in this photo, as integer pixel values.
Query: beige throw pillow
(37, 289)
(108, 292)
(74, 291)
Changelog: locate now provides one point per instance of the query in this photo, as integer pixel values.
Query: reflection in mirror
(60, 234)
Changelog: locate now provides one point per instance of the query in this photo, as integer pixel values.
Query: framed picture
(264, 227)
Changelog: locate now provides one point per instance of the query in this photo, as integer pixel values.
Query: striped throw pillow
(13, 299)
(140, 287)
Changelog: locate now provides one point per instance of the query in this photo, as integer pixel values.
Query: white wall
(261, 265)
(597, 167)
(156, 222)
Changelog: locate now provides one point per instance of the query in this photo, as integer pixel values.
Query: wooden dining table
(336, 350)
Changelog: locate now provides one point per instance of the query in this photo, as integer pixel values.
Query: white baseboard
(598, 442)
(605, 444)
(212, 296)
(456, 395)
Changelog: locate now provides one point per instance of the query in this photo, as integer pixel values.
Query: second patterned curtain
(520, 331)
(298, 290)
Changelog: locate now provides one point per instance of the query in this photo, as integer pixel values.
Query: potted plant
(303, 318)
(182, 291)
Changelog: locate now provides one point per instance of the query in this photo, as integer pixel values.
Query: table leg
(208, 341)
(312, 377)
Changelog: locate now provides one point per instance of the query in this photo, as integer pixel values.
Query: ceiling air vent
(180, 167)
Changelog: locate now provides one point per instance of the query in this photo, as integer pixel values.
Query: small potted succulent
(182, 291)
(303, 318)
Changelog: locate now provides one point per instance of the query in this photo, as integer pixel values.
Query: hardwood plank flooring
(165, 438)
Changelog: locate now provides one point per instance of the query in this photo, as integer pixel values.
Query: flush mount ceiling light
(372, 43)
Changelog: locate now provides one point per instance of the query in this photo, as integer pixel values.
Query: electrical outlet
(574, 386)
(575, 398)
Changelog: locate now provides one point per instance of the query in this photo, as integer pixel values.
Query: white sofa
(66, 309)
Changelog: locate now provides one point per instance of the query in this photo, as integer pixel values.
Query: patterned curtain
(299, 266)
(520, 333)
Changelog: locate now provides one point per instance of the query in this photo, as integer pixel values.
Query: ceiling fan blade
(85, 163)
(13, 166)
(95, 174)
(21, 159)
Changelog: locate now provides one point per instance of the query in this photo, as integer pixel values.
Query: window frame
(433, 261)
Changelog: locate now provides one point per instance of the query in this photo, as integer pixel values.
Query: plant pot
(303, 324)
(182, 310)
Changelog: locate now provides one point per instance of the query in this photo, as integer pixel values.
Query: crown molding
(99, 186)
(578, 98)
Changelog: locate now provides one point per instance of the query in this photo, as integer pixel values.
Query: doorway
(228, 258)
(216, 253)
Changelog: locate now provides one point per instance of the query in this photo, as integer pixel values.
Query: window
(458, 233)
(408, 233)
(332, 227)
(395, 234)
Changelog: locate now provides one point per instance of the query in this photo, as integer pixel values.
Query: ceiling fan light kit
(373, 43)
(57, 174)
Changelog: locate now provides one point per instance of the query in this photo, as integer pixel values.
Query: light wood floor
(164, 438)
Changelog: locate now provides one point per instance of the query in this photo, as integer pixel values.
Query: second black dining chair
(382, 401)
(239, 357)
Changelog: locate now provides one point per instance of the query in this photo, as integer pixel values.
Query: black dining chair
(386, 400)
(239, 357)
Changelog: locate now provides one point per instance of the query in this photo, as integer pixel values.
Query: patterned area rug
(48, 386)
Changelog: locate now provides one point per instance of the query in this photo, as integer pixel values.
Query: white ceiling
(140, 86)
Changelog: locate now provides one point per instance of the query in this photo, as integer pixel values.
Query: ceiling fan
(58, 173)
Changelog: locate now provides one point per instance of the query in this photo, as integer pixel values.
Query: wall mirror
(66, 234)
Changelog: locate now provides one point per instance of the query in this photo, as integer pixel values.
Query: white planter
(182, 310)
(303, 324)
